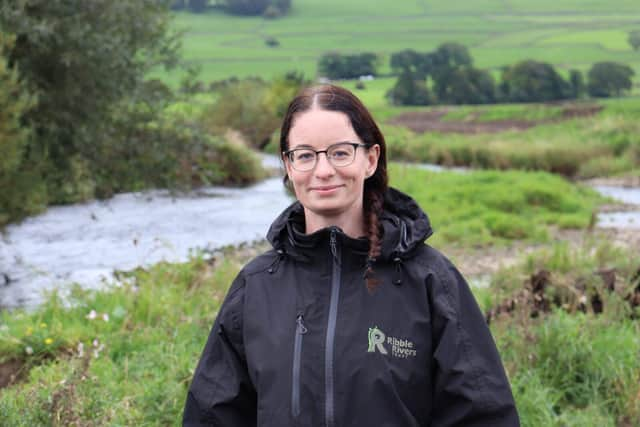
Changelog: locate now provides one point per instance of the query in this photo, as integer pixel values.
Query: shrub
(409, 91)
(609, 79)
(533, 81)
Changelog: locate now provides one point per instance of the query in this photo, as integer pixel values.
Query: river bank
(86, 243)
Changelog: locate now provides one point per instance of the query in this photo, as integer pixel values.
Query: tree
(253, 107)
(83, 59)
(405, 60)
(451, 55)
(409, 90)
(334, 65)
(576, 80)
(607, 79)
(198, 6)
(634, 39)
(532, 81)
(465, 85)
(20, 188)
(246, 7)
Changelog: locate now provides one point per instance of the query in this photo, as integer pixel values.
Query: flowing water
(84, 243)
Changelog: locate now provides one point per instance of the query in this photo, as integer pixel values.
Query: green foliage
(634, 39)
(267, 8)
(493, 207)
(21, 188)
(465, 85)
(606, 143)
(115, 357)
(609, 79)
(568, 368)
(67, 54)
(409, 90)
(253, 107)
(334, 65)
(90, 134)
(578, 87)
(455, 81)
(533, 81)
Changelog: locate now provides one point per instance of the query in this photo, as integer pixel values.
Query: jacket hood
(404, 224)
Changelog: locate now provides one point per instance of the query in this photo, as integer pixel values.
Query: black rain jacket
(300, 341)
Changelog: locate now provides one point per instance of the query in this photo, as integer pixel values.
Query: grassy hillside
(568, 33)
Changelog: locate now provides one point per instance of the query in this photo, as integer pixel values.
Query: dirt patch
(11, 371)
(432, 121)
(484, 261)
(622, 181)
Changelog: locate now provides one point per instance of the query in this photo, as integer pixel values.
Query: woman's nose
(324, 166)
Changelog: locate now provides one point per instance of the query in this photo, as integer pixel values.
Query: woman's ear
(373, 154)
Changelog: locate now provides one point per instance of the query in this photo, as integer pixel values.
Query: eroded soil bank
(434, 120)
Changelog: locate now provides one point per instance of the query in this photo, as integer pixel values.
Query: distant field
(567, 33)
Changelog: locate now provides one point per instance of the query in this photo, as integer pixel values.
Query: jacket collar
(405, 227)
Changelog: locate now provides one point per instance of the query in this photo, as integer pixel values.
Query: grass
(604, 144)
(130, 363)
(526, 112)
(570, 368)
(125, 355)
(567, 34)
(489, 207)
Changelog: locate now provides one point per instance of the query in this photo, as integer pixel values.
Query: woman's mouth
(325, 189)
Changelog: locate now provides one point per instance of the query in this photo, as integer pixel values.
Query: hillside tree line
(266, 8)
(447, 76)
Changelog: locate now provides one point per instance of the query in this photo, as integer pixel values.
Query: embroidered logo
(376, 340)
(400, 348)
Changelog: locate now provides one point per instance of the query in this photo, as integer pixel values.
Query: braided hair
(335, 98)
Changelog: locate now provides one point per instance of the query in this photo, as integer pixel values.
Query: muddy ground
(432, 121)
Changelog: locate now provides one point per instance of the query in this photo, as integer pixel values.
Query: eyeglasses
(339, 155)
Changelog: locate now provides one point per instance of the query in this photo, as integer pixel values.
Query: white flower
(95, 342)
(28, 350)
(92, 315)
(105, 317)
(80, 349)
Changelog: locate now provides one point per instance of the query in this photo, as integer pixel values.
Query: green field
(567, 33)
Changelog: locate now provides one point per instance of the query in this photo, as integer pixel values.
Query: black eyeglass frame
(355, 146)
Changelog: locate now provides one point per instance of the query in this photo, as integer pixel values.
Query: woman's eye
(304, 156)
(338, 154)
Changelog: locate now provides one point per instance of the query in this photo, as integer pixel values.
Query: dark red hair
(335, 98)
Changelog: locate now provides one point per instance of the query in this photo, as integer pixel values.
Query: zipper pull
(332, 243)
(301, 328)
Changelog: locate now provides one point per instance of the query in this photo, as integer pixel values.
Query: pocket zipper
(297, 355)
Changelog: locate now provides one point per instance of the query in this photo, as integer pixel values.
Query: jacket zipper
(297, 354)
(331, 331)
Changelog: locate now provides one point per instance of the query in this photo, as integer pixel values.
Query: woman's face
(327, 191)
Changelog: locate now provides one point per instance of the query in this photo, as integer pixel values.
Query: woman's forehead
(321, 128)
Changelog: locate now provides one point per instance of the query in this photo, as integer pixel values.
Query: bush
(609, 79)
(253, 107)
(22, 189)
(408, 90)
(465, 85)
(532, 81)
(335, 66)
(271, 42)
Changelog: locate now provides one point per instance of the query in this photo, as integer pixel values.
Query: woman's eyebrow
(295, 147)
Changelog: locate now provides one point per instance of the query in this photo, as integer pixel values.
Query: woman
(350, 320)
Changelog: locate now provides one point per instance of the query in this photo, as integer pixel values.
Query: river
(85, 243)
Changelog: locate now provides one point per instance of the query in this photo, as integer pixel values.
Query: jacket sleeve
(221, 392)
(470, 387)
